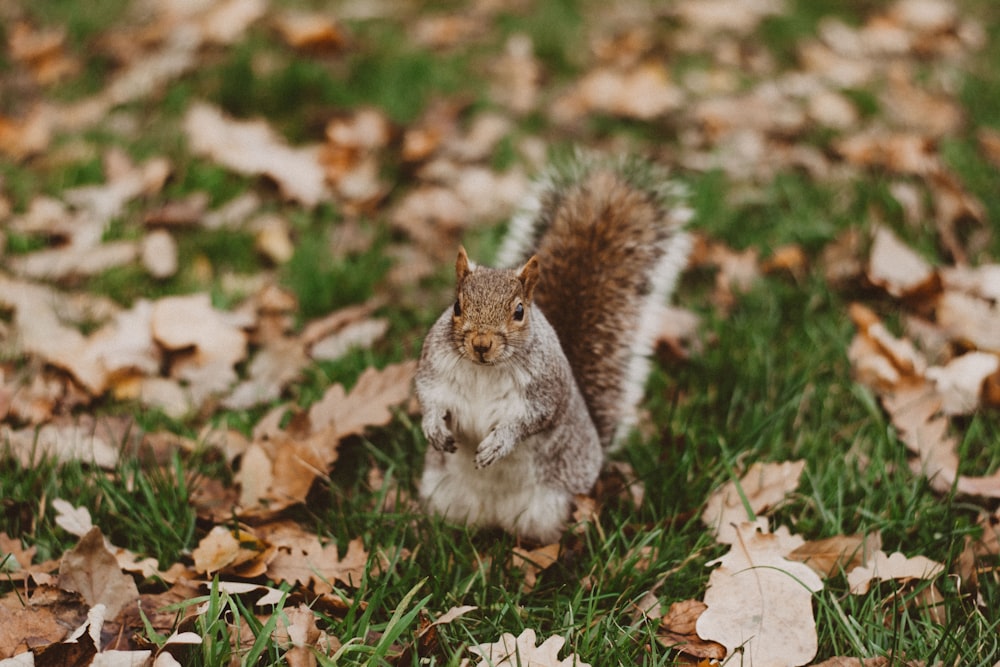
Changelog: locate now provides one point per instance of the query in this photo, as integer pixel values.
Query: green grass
(772, 382)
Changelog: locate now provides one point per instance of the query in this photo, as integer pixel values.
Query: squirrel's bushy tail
(609, 236)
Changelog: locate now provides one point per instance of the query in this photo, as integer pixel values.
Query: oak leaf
(763, 485)
(677, 631)
(253, 148)
(761, 602)
(520, 651)
(895, 566)
(368, 402)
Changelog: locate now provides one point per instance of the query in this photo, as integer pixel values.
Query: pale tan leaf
(91, 570)
(362, 334)
(272, 596)
(763, 486)
(116, 658)
(960, 381)
(644, 92)
(252, 147)
(348, 570)
(74, 520)
(896, 566)
(761, 602)
(217, 341)
(63, 442)
(159, 254)
(712, 16)
(453, 613)
(66, 261)
(511, 651)
(970, 320)
(895, 267)
(273, 368)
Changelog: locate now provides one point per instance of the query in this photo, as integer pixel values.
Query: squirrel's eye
(519, 312)
(458, 309)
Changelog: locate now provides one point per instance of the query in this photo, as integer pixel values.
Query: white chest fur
(479, 397)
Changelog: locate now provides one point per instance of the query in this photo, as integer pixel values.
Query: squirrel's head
(492, 311)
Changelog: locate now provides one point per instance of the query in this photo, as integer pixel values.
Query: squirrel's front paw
(438, 435)
(493, 448)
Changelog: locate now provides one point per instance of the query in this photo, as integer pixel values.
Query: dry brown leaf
(903, 153)
(252, 147)
(763, 485)
(832, 555)
(311, 31)
(28, 135)
(881, 360)
(278, 472)
(916, 413)
(511, 651)
(93, 571)
(532, 562)
(240, 552)
(368, 402)
(158, 253)
(43, 51)
(677, 631)
(897, 566)
(761, 602)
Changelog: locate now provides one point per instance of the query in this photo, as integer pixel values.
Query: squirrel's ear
(462, 268)
(528, 275)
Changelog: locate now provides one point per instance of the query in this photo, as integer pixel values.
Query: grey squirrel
(529, 378)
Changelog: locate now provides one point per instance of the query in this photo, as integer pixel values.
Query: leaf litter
(183, 355)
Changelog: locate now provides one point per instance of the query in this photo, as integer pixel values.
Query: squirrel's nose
(481, 344)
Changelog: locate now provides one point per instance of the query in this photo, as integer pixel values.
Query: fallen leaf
(274, 367)
(252, 147)
(761, 603)
(897, 566)
(237, 550)
(893, 266)
(159, 254)
(511, 651)
(217, 342)
(74, 520)
(960, 382)
(368, 402)
(531, 563)
(677, 631)
(93, 571)
(970, 320)
(830, 556)
(310, 31)
(763, 485)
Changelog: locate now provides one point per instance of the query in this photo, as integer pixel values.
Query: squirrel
(533, 374)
